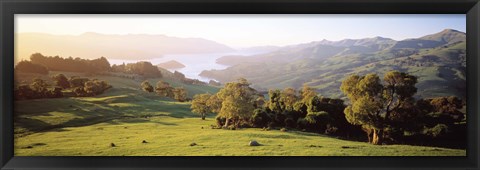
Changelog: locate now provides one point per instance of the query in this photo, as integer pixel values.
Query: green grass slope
(126, 116)
(168, 136)
(125, 99)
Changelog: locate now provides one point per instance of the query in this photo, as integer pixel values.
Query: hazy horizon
(243, 31)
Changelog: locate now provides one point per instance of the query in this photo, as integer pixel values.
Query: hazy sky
(246, 30)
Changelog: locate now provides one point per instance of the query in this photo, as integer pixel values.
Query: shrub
(61, 81)
(77, 81)
(437, 131)
(271, 125)
(302, 123)
(55, 92)
(79, 91)
(180, 94)
(220, 121)
(280, 119)
(23, 92)
(260, 118)
(95, 87)
(318, 121)
(29, 67)
(164, 89)
(331, 130)
(290, 123)
(39, 87)
(146, 86)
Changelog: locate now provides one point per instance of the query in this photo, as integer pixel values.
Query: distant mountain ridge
(438, 60)
(130, 46)
(326, 48)
(448, 36)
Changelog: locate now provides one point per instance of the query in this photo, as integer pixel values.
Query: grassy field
(126, 116)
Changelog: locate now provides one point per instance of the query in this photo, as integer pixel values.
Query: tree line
(43, 64)
(143, 68)
(378, 111)
(56, 63)
(165, 90)
(80, 87)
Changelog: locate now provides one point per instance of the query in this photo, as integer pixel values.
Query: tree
(214, 103)
(318, 121)
(100, 64)
(313, 105)
(143, 68)
(444, 110)
(23, 92)
(55, 92)
(91, 87)
(180, 94)
(61, 81)
(199, 104)
(274, 102)
(146, 86)
(306, 93)
(260, 118)
(259, 102)
(237, 101)
(29, 67)
(39, 87)
(77, 81)
(288, 98)
(56, 63)
(79, 91)
(372, 102)
(164, 89)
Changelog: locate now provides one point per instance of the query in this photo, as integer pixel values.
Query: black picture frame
(8, 8)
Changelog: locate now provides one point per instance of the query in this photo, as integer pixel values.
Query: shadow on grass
(100, 111)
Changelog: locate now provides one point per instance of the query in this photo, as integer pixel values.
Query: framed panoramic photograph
(246, 85)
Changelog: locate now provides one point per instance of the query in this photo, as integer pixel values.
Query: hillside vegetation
(438, 60)
(127, 116)
(140, 123)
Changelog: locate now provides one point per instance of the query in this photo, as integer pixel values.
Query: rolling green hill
(126, 116)
(124, 100)
(438, 60)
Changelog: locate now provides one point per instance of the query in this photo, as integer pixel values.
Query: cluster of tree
(36, 90)
(89, 87)
(41, 89)
(234, 103)
(239, 105)
(385, 110)
(29, 67)
(70, 64)
(388, 110)
(143, 68)
(440, 121)
(305, 110)
(164, 89)
(80, 86)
